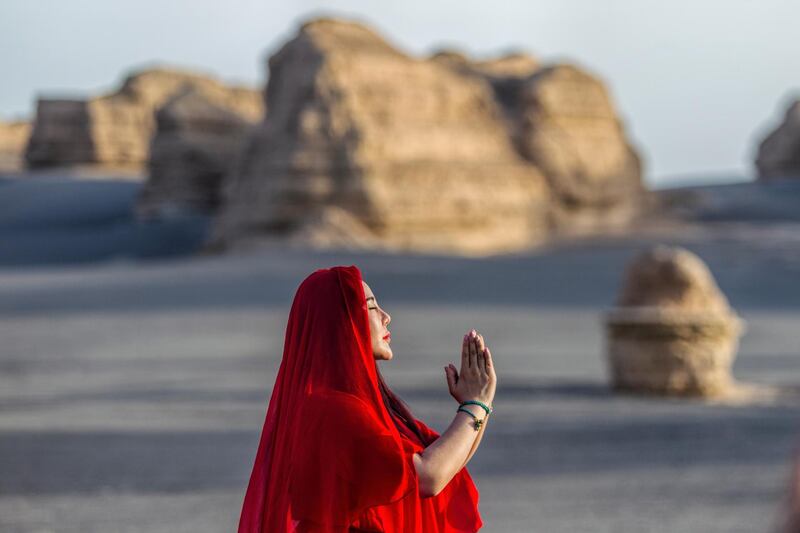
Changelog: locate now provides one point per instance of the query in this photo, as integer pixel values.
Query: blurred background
(609, 193)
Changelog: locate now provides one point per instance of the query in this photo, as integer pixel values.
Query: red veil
(329, 449)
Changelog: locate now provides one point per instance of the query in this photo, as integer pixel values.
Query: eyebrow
(370, 297)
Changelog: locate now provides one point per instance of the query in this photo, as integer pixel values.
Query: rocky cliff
(439, 153)
(115, 129)
(196, 142)
(779, 153)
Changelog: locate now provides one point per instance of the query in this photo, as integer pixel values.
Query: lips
(387, 337)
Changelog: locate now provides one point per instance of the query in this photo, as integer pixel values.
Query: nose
(388, 317)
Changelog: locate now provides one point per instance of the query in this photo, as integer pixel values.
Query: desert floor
(132, 393)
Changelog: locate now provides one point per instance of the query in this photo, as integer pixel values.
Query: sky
(697, 83)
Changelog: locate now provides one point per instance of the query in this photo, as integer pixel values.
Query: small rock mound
(672, 332)
(672, 279)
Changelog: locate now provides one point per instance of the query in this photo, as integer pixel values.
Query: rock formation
(672, 332)
(779, 153)
(13, 138)
(569, 129)
(506, 75)
(518, 65)
(194, 146)
(414, 151)
(436, 154)
(563, 121)
(115, 129)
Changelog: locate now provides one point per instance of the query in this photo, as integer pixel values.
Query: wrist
(474, 409)
(476, 419)
(485, 405)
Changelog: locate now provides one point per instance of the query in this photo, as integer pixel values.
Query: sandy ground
(132, 394)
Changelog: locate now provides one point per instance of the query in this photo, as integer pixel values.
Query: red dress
(331, 458)
(454, 509)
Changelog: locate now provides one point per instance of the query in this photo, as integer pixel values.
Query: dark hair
(398, 407)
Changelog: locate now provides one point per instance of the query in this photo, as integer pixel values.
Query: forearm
(477, 440)
(443, 459)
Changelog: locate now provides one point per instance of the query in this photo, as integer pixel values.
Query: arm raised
(445, 457)
(442, 460)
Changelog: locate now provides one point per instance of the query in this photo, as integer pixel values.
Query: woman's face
(378, 326)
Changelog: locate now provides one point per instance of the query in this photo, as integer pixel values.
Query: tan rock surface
(13, 139)
(437, 154)
(195, 145)
(571, 131)
(564, 121)
(115, 129)
(417, 153)
(672, 331)
(512, 65)
(779, 153)
(672, 278)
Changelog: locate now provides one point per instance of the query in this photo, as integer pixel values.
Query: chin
(384, 356)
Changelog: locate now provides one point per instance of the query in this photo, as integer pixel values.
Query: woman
(339, 452)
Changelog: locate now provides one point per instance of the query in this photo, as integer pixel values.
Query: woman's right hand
(477, 379)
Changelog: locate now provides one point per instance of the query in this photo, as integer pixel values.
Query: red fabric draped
(331, 459)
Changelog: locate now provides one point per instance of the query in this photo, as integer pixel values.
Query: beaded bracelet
(478, 421)
(476, 402)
